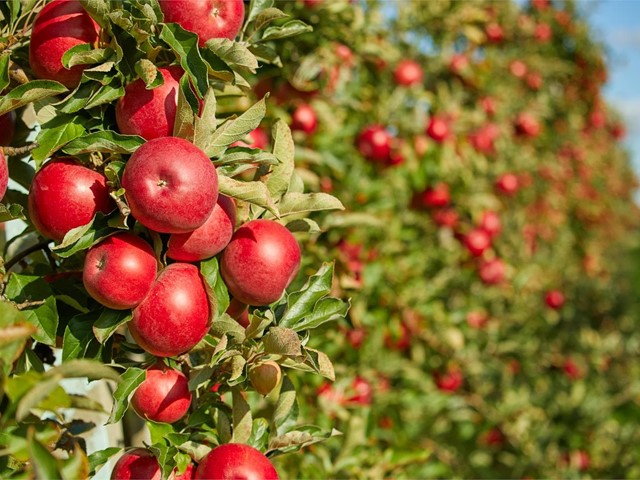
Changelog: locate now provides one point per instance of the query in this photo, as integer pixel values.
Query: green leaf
(259, 434)
(44, 463)
(295, 203)
(267, 16)
(55, 134)
(320, 363)
(98, 9)
(185, 45)
(4, 70)
(44, 316)
(265, 53)
(130, 380)
(76, 466)
(148, 72)
(78, 336)
(305, 225)
(36, 395)
(183, 126)
(108, 322)
(255, 193)
(83, 237)
(286, 410)
(289, 29)
(210, 270)
(205, 124)
(301, 437)
(11, 212)
(28, 93)
(158, 432)
(242, 420)
(84, 54)
(282, 341)
(14, 332)
(225, 325)
(245, 155)
(106, 141)
(83, 368)
(99, 458)
(234, 54)
(283, 148)
(256, 7)
(236, 129)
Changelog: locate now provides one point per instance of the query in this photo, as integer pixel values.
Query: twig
(14, 151)
(123, 207)
(26, 252)
(17, 73)
(29, 304)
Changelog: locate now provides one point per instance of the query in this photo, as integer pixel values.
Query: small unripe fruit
(163, 396)
(265, 377)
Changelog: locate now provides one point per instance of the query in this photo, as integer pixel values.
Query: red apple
(490, 223)
(206, 18)
(494, 33)
(233, 461)
(7, 127)
(119, 271)
(260, 262)
(408, 73)
(60, 25)
(171, 185)
(508, 184)
(374, 143)
(265, 377)
(527, 125)
(477, 319)
(571, 369)
(534, 80)
(543, 33)
(4, 174)
(445, 217)
(363, 392)
(344, 54)
(483, 138)
(65, 195)
(304, 119)
(554, 299)
(150, 113)
(518, 68)
(438, 129)
(492, 272)
(477, 241)
(488, 104)
(210, 238)
(176, 313)
(137, 464)
(449, 381)
(436, 196)
(458, 63)
(163, 396)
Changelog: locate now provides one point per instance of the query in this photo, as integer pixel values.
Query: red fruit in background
(7, 127)
(477, 241)
(65, 195)
(60, 25)
(482, 139)
(363, 392)
(137, 464)
(477, 319)
(527, 125)
(188, 474)
(488, 104)
(493, 438)
(494, 33)
(618, 131)
(208, 239)
(534, 80)
(4, 174)
(450, 381)
(176, 313)
(445, 217)
(408, 73)
(518, 68)
(554, 299)
(304, 119)
(169, 196)
(508, 184)
(234, 461)
(571, 369)
(150, 113)
(265, 377)
(598, 119)
(540, 4)
(420, 145)
(490, 223)
(374, 143)
(260, 262)
(206, 18)
(163, 396)
(258, 139)
(458, 63)
(492, 272)
(356, 336)
(578, 459)
(438, 129)
(436, 196)
(239, 312)
(119, 271)
(543, 33)
(344, 54)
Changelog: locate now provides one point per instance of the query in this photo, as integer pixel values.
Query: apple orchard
(314, 239)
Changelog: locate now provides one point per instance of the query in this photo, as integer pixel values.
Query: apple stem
(14, 151)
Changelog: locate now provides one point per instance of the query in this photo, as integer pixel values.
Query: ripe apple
(363, 392)
(490, 223)
(150, 113)
(518, 68)
(167, 195)
(7, 127)
(374, 143)
(304, 119)
(206, 18)
(449, 381)
(4, 174)
(445, 217)
(494, 33)
(508, 184)
(438, 129)
(488, 104)
(137, 464)
(163, 396)
(265, 377)
(483, 138)
(208, 239)
(234, 461)
(60, 25)
(408, 73)
(554, 299)
(436, 196)
(119, 271)
(477, 241)
(492, 272)
(571, 369)
(260, 262)
(65, 195)
(458, 63)
(543, 33)
(527, 125)
(176, 313)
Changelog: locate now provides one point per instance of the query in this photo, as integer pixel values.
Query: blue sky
(617, 24)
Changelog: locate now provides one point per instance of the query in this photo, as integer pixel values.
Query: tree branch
(14, 151)
(34, 248)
